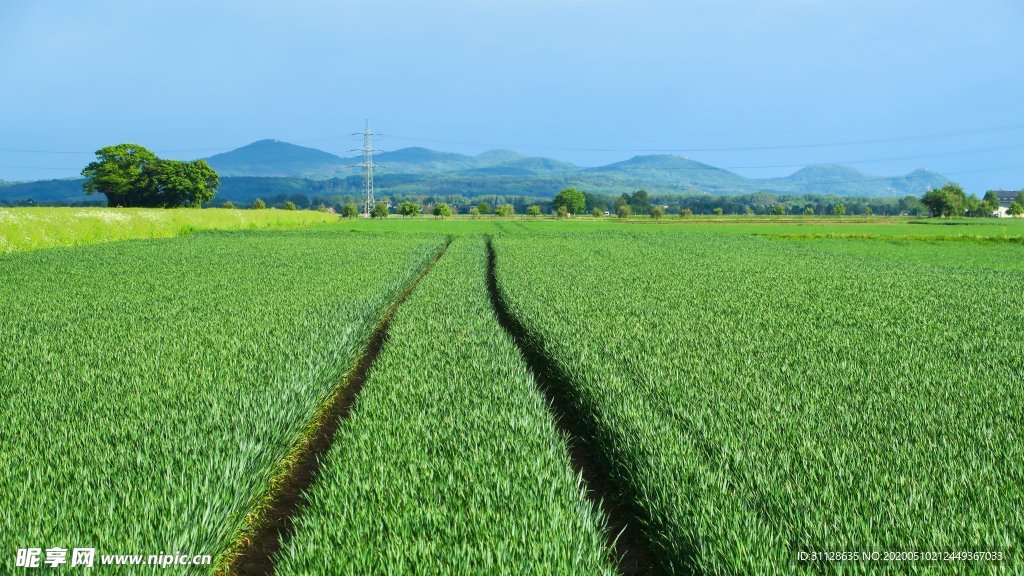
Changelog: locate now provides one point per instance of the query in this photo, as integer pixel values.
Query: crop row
(148, 389)
(450, 462)
(757, 397)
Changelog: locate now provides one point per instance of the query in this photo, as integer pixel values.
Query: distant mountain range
(281, 167)
(658, 173)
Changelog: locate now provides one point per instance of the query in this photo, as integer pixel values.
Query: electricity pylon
(367, 165)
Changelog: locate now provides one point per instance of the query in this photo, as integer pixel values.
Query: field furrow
(759, 397)
(150, 389)
(450, 462)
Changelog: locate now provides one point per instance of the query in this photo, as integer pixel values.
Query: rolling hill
(278, 166)
(276, 158)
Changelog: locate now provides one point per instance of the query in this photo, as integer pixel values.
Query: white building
(1005, 199)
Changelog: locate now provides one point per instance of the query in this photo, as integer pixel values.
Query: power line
(875, 160)
(683, 149)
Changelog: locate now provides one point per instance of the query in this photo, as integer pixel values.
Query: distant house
(1005, 199)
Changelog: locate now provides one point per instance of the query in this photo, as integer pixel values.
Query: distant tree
(809, 211)
(975, 207)
(442, 209)
(562, 211)
(624, 211)
(323, 208)
(839, 209)
(474, 211)
(350, 210)
(483, 208)
(259, 204)
(657, 212)
(718, 211)
(640, 201)
(1020, 197)
(228, 205)
(289, 205)
(597, 212)
(686, 212)
(868, 211)
(778, 210)
(911, 206)
(409, 208)
(505, 210)
(621, 201)
(992, 199)
(380, 210)
(748, 211)
(946, 201)
(533, 210)
(572, 199)
(1016, 208)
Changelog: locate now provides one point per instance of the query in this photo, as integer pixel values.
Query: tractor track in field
(274, 526)
(631, 548)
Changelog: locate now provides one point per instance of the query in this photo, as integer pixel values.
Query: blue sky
(759, 86)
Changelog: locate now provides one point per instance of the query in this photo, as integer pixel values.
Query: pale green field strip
(759, 396)
(24, 229)
(450, 462)
(149, 388)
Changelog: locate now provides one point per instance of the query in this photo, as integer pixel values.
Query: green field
(726, 392)
(756, 396)
(33, 228)
(452, 449)
(152, 389)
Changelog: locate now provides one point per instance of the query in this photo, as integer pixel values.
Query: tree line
(950, 200)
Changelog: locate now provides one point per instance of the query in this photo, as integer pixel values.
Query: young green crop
(757, 397)
(150, 388)
(451, 462)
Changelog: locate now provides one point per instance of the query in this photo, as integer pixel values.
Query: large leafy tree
(124, 173)
(185, 183)
(132, 176)
(572, 199)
